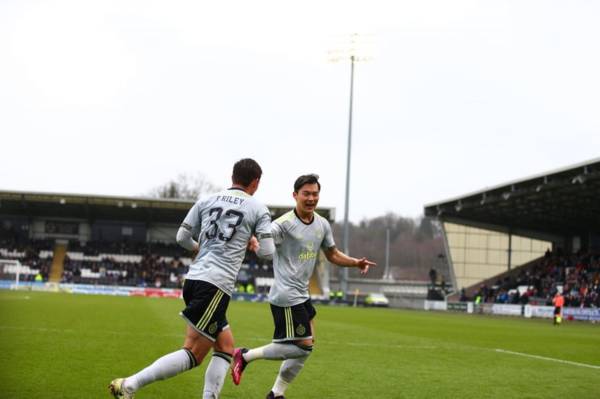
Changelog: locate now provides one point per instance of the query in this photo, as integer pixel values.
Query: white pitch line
(396, 346)
(550, 359)
(40, 329)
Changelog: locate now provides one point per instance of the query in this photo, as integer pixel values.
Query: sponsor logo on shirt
(308, 252)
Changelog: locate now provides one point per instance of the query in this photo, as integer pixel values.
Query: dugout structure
(491, 231)
(63, 217)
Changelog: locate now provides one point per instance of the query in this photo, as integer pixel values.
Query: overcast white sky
(116, 97)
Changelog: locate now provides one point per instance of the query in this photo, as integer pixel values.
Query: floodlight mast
(336, 56)
(386, 273)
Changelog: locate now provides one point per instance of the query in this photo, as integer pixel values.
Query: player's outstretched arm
(339, 258)
(264, 248)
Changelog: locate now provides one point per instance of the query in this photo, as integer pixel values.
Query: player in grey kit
(298, 236)
(224, 223)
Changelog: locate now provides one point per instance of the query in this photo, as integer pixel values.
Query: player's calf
(273, 351)
(215, 374)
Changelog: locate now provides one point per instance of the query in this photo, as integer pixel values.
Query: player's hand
(364, 264)
(195, 252)
(253, 244)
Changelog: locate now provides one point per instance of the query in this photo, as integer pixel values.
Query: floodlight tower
(386, 272)
(350, 53)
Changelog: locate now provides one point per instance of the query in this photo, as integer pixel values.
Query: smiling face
(307, 198)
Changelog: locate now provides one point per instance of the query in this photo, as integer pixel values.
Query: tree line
(416, 245)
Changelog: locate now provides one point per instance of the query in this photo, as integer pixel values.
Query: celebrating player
(298, 236)
(224, 222)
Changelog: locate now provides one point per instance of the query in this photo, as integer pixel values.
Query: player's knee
(197, 351)
(224, 342)
(224, 348)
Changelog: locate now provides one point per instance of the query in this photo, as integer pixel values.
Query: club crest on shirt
(300, 330)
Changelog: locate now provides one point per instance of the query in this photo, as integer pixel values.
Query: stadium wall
(595, 242)
(101, 230)
(55, 227)
(162, 233)
(476, 253)
(527, 311)
(401, 294)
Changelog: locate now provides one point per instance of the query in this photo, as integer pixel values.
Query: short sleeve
(263, 224)
(277, 230)
(193, 220)
(328, 241)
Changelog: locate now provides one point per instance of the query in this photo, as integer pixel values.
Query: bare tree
(185, 186)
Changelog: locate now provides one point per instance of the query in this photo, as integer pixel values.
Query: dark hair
(306, 179)
(245, 170)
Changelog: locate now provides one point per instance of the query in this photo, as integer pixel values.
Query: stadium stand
(105, 263)
(101, 240)
(577, 276)
(147, 265)
(139, 266)
(13, 247)
(520, 241)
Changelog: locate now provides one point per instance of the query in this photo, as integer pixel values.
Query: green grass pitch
(71, 346)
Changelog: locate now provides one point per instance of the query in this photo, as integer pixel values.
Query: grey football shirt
(297, 249)
(224, 222)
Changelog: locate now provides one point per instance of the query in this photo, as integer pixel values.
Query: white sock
(164, 367)
(276, 351)
(253, 354)
(287, 372)
(279, 387)
(215, 375)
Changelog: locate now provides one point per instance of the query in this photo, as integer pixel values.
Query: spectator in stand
(579, 274)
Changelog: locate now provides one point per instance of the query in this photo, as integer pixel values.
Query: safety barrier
(528, 311)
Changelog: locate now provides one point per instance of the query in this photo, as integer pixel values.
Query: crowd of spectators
(15, 246)
(158, 265)
(151, 271)
(142, 264)
(577, 276)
